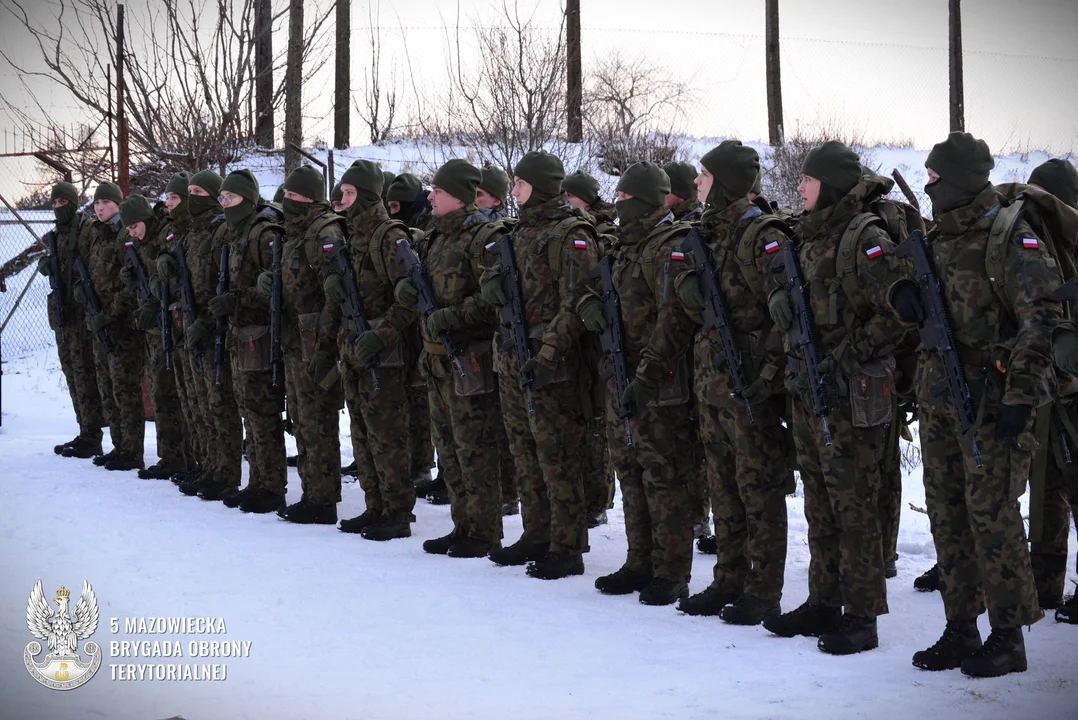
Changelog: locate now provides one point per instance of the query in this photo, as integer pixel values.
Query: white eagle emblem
(63, 668)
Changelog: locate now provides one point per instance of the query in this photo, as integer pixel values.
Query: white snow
(345, 628)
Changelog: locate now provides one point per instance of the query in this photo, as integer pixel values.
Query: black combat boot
(960, 640)
(386, 528)
(596, 518)
(422, 481)
(191, 487)
(305, 513)
(359, 522)
(1068, 611)
(82, 449)
(185, 476)
(261, 501)
(623, 581)
(1049, 602)
(438, 494)
(292, 461)
(59, 449)
(749, 610)
(556, 565)
(351, 470)
(661, 591)
(510, 508)
(233, 499)
(707, 544)
(472, 548)
(929, 581)
(100, 460)
(854, 634)
(123, 461)
(440, 546)
(158, 471)
(1004, 652)
(217, 491)
(519, 553)
(807, 619)
(890, 569)
(710, 601)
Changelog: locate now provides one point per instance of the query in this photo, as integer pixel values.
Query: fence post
(774, 79)
(574, 83)
(957, 100)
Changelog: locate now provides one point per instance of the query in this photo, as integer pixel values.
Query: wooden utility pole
(293, 87)
(341, 108)
(264, 72)
(954, 53)
(774, 78)
(575, 83)
(124, 170)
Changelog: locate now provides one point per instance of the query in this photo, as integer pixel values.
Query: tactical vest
(644, 260)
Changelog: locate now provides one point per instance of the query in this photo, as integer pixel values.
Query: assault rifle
(427, 304)
(937, 335)
(56, 280)
(93, 302)
(613, 338)
(142, 283)
(276, 355)
(219, 355)
(187, 303)
(353, 304)
(513, 315)
(803, 336)
(717, 318)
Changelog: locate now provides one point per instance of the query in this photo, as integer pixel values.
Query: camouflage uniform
(547, 445)
(1048, 553)
(465, 427)
(120, 373)
(976, 521)
(691, 210)
(74, 341)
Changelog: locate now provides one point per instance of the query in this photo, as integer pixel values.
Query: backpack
(645, 259)
(746, 247)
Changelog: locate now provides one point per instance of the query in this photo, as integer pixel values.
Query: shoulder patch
(326, 247)
(874, 252)
(1030, 243)
(772, 247)
(580, 244)
(677, 255)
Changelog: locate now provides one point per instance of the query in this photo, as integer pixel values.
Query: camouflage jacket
(67, 249)
(250, 253)
(104, 255)
(148, 249)
(745, 294)
(1014, 312)
(304, 259)
(688, 211)
(555, 272)
(603, 215)
(854, 330)
(453, 258)
(377, 272)
(204, 260)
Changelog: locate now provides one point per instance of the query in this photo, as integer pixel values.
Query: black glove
(146, 317)
(490, 286)
(906, 300)
(1012, 421)
(406, 293)
(127, 276)
(99, 322)
(167, 267)
(592, 314)
(222, 305)
(782, 311)
(264, 283)
(79, 293)
(197, 333)
(333, 286)
(1065, 351)
(542, 373)
(44, 266)
(757, 391)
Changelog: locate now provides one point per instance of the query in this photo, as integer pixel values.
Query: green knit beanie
(387, 180)
(1058, 177)
(242, 183)
(542, 170)
(278, 195)
(646, 182)
(404, 188)
(583, 185)
(962, 160)
(495, 182)
(178, 184)
(208, 180)
(365, 175)
(65, 191)
(135, 209)
(335, 195)
(758, 186)
(682, 179)
(833, 164)
(735, 166)
(108, 191)
(307, 181)
(459, 178)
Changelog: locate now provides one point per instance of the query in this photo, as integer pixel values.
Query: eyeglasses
(227, 197)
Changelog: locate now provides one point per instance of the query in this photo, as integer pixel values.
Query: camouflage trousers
(75, 346)
(173, 445)
(842, 483)
(1048, 555)
(655, 476)
(507, 470)
(421, 447)
(547, 449)
(381, 442)
(465, 430)
(315, 425)
(598, 473)
(189, 388)
(224, 438)
(698, 478)
(976, 521)
(749, 475)
(119, 377)
(890, 502)
(261, 404)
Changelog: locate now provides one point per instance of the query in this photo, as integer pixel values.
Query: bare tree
(293, 80)
(379, 109)
(190, 70)
(632, 109)
(343, 74)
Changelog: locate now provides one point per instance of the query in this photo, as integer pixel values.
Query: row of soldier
(703, 348)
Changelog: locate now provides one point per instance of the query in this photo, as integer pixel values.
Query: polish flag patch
(490, 245)
(327, 247)
(169, 237)
(772, 247)
(580, 244)
(1030, 243)
(129, 244)
(677, 255)
(874, 252)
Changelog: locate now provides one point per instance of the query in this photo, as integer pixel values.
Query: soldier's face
(348, 196)
(442, 203)
(704, 181)
(137, 231)
(809, 189)
(196, 190)
(229, 199)
(485, 200)
(672, 200)
(58, 203)
(522, 190)
(393, 206)
(172, 200)
(105, 210)
(576, 202)
(624, 196)
(289, 195)
(933, 176)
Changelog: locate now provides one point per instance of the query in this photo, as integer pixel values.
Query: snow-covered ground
(345, 628)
